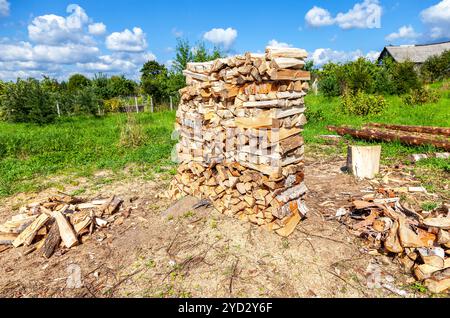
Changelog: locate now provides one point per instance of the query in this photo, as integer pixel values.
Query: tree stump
(364, 161)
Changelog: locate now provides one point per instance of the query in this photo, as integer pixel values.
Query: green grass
(433, 173)
(78, 146)
(31, 156)
(323, 111)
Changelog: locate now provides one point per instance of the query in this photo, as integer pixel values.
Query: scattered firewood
(60, 219)
(113, 205)
(420, 240)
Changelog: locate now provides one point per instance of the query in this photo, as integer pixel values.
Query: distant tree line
(38, 101)
(386, 78)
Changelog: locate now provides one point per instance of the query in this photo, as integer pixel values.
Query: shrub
(436, 68)
(421, 96)
(27, 101)
(362, 104)
(332, 81)
(405, 77)
(360, 75)
(86, 101)
(113, 105)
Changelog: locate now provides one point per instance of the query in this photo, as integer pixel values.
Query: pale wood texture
(364, 161)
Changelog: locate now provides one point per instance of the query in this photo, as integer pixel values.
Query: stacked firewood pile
(60, 221)
(239, 122)
(410, 135)
(420, 240)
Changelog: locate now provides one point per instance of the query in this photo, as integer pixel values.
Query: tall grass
(78, 145)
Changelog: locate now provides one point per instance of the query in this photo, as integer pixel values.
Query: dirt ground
(201, 253)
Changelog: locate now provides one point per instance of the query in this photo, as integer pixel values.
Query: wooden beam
(419, 129)
(372, 134)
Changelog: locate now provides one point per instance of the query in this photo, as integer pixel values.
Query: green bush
(27, 101)
(436, 68)
(362, 104)
(86, 101)
(405, 77)
(421, 96)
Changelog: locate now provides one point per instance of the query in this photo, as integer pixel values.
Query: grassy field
(78, 146)
(31, 155)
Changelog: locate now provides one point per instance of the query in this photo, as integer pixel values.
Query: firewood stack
(239, 123)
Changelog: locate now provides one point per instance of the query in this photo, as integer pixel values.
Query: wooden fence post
(171, 105)
(136, 103)
(151, 103)
(57, 109)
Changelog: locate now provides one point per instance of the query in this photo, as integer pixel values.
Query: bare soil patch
(201, 253)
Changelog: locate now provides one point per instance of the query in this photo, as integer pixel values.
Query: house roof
(415, 53)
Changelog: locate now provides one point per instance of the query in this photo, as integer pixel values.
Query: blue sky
(59, 38)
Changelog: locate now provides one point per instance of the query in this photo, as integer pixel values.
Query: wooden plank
(287, 62)
(27, 236)
(274, 52)
(65, 230)
(289, 75)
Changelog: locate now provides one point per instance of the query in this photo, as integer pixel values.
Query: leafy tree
(183, 56)
(405, 77)
(436, 68)
(86, 101)
(100, 83)
(360, 75)
(154, 80)
(78, 81)
(27, 101)
(121, 86)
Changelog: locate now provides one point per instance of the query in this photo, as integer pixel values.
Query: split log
(418, 129)
(364, 161)
(372, 134)
(65, 230)
(27, 236)
(52, 241)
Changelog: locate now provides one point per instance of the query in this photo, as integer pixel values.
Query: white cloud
(128, 64)
(97, 28)
(127, 41)
(324, 55)
(318, 17)
(364, 15)
(59, 46)
(225, 37)
(437, 20)
(67, 54)
(54, 29)
(275, 43)
(406, 32)
(4, 8)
